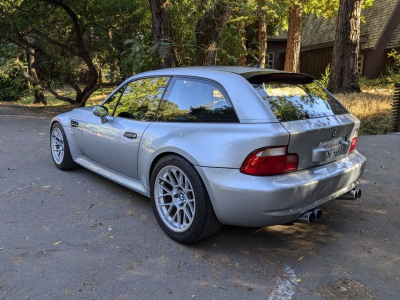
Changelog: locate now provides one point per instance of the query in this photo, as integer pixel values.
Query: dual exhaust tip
(316, 214)
(354, 194)
(311, 216)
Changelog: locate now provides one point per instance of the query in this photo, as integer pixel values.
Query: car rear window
(291, 101)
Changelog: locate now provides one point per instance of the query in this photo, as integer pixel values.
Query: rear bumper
(244, 200)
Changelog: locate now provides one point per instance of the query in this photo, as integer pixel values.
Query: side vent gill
(76, 124)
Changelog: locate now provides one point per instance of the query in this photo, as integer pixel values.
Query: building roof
(320, 31)
(281, 35)
(395, 40)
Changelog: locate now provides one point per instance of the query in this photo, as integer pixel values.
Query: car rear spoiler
(299, 78)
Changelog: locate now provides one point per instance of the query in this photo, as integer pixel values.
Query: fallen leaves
(220, 287)
(57, 243)
(111, 236)
(298, 280)
(301, 258)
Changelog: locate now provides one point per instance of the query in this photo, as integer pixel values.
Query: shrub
(12, 88)
(324, 81)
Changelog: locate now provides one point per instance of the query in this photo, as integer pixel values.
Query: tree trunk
(113, 66)
(84, 74)
(241, 30)
(344, 77)
(162, 33)
(33, 78)
(263, 36)
(100, 73)
(208, 32)
(292, 58)
(39, 95)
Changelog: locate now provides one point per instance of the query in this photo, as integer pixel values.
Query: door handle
(130, 135)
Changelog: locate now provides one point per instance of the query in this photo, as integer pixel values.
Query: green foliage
(324, 81)
(395, 67)
(139, 56)
(12, 84)
(12, 88)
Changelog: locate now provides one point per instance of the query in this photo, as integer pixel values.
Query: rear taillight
(270, 161)
(353, 145)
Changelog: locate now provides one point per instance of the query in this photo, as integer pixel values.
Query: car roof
(243, 71)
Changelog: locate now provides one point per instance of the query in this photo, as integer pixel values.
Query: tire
(190, 204)
(61, 158)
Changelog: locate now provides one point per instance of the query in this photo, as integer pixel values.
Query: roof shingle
(395, 40)
(319, 30)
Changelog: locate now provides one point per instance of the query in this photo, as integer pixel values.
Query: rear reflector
(270, 161)
(353, 145)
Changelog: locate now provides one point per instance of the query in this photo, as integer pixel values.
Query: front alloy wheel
(60, 149)
(57, 145)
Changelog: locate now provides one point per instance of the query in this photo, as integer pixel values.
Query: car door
(115, 143)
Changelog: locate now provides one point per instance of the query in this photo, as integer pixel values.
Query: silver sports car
(218, 145)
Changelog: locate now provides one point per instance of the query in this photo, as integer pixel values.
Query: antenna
(259, 62)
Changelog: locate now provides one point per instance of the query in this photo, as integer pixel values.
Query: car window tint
(111, 102)
(141, 98)
(291, 102)
(193, 100)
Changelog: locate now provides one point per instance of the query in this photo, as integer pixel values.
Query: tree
(208, 32)
(292, 58)
(295, 11)
(343, 76)
(31, 75)
(66, 37)
(162, 33)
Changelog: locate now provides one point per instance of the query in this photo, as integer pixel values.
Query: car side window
(141, 98)
(195, 100)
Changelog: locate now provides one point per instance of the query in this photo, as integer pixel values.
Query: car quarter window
(195, 100)
(141, 98)
(112, 101)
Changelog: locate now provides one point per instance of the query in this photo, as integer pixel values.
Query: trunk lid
(321, 128)
(308, 136)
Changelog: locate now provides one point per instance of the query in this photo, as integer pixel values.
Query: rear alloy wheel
(60, 149)
(174, 198)
(180, 201)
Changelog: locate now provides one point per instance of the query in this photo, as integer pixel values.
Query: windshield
(297, 101)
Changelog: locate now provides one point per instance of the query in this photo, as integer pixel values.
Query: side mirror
(102, 112)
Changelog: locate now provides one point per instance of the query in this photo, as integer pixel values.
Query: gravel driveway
(75, 235)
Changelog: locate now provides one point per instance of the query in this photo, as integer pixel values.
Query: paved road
(75, 235)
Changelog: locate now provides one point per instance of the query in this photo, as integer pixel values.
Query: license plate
(334, 149)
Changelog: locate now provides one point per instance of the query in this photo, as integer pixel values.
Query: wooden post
(396, 107)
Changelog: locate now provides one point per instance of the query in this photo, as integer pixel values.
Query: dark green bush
(12, 88)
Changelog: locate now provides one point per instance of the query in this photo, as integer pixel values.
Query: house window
(270, 61)
(360, 64)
